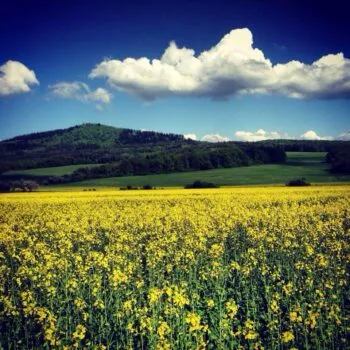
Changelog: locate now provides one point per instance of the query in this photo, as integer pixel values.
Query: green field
(51, 171)
(310, 165)
(303, 158)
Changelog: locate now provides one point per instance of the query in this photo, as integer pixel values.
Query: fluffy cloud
(312, 135)
(101, 95)
(16, 78)
(344, 137)
(259, 135)
(69, 90)
(326, 78)
(81, 92)
(215, 138)
(190, 136)
(231, 67)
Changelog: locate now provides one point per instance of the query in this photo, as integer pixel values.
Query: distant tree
(5, 186)
(201, 184)
(128, 187)
(126, 167)
(30, 185)
(298, 182)
(147, 187)
(339, 157)
(24, 185)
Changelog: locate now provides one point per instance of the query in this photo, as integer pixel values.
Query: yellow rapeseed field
(236, 268)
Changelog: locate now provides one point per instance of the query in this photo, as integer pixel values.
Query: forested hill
(125, 151)
(86, 143)
(86, 136)
(131, 152)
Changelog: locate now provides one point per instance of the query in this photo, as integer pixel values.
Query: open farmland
(175, 269)
(310, 165)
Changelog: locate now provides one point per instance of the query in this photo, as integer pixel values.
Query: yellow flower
(127, 305)
(210, 303)
(251, 335)
(216, 250)
(295, 317)
(130, 327)
(312, 319)
(321, 260)
(99, 304)
(287, 336)
(309, 250)
(154, 295)
(79, 332)
(145, 324)
(139, 284)
(163, 329)
(288, 288)
(117, 277)
(235, 266)
(79, 303)
(231, 308)
(168, 291)
(194, 321)
(274, 306)
(180, 299)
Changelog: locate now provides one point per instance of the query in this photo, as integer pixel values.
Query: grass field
(306, 157)
(310, 165)
(51, 171)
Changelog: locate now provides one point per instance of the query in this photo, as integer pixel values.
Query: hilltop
(80, 144)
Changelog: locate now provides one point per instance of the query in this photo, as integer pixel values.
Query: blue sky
(71, 62)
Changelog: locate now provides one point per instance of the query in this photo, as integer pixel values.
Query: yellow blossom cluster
(229, 268)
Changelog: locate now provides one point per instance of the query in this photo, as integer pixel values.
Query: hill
(94, 151)
(81, 144)
(117, 152)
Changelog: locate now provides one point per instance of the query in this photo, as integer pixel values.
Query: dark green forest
(339, 157)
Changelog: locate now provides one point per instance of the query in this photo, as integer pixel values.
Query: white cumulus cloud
(259, 135)
(16, 78)
(100, 95)
(344, 136)
(215, 138)
(312, 135)
(80, 91)
(233, 66)
(190, 136)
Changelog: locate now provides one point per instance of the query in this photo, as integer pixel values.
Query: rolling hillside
(81, 144)
(99, 155)
(310, 165)
(120, 152)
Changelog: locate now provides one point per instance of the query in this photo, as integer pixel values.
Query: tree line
(339, 157)
(201, 158)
